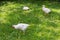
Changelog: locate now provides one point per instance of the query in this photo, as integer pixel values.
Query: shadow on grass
(53, 16)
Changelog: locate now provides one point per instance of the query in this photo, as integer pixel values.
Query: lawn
(42, 27)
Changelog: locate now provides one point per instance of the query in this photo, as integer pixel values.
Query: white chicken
(21, 26)
(46, 10)
(25, 8)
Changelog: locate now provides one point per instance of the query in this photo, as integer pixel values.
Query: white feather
(21, 26)
(25, 8)
(46, 10)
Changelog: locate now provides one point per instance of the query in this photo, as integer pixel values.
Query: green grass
(42, 27)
